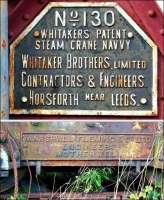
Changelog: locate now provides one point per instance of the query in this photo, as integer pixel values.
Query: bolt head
(130, 35)
(24, 99)
(36, 34)
(26, 16)
(143, 101)
(162, 32)
(151, 13)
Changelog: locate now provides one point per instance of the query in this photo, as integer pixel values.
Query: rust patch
(85, 147)
(4, 44)
(75, 196)
(133, 148)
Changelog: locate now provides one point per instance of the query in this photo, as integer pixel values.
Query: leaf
(10, 198)
(142, 194)
(148, 189)
(158, 185)
(134, 196)
(91, 180)
(154, 195)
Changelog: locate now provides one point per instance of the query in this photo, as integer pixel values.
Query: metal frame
(4, 88)
(152, 112)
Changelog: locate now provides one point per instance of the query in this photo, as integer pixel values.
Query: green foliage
(148, 193)
(19, 197)
(91, 180)
(134, 196)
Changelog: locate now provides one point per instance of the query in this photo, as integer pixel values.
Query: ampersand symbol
(91, 82)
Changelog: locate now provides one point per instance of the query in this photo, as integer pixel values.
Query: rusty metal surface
(75, 196)
(97, 127)
(94, 127)
(139, 128)
(81, 163)
(159, 147)
(53, 146)
(21, 103)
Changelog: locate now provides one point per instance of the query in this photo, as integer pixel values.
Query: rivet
(162, 31)
(36, 34)
(130, 35)
(24, 99)
(143, 100)
(151, 13)
(26, 16)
